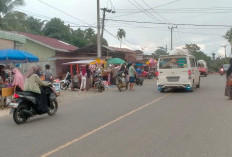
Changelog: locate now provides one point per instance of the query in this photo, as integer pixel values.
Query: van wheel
(193, 87)
(198, 86)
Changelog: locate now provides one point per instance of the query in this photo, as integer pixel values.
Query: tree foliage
(160, 51)
(228, 37)
(121, 34)
(7, 6)
(55, 28)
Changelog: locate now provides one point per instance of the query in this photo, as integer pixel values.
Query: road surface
(143, 123)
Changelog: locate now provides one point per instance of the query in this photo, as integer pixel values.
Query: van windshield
(173, 63)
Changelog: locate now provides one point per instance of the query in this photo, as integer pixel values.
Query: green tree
(121, 34)
(160, 51)
(199, 55)
(89, 33)
(228, 37)
(192, 47)
(214, 56)
(34, 26)
(8, 5)
(14, 21)
(56, 28)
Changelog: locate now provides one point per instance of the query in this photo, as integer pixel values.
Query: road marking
(102, 127)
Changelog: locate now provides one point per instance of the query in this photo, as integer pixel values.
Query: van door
(195, 71)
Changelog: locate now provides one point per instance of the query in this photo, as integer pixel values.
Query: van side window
(192, 62)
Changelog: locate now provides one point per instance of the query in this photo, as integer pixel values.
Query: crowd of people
(109, 75)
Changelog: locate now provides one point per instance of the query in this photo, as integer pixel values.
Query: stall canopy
(16, 56)
(80, 62)
(115, 61)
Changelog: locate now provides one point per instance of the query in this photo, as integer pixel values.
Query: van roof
(184, 55)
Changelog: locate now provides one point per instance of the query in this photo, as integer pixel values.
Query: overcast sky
(146, 36)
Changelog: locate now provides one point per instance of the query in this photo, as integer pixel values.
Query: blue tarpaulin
(139, 64)
(16, 56)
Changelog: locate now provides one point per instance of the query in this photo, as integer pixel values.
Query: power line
(143, 10)
(62, 11)
(148, 9)
(154, 10)
(160, 28)
(117, 39)
(179, 24)
(49, 18)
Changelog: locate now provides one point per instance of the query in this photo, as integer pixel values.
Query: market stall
(12, 56)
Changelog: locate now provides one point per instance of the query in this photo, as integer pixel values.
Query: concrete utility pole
(224, 49)
(103, 18)
(99, 53)
(171, 28)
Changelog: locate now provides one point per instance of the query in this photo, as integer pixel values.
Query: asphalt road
(143, 123)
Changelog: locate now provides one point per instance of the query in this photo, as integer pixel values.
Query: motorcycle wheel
(20, 119)
(52, 109)
(99, 88)
(119, 88)
(63, 86)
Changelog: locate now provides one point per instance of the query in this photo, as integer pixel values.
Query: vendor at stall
(18, 82)
(2, 73)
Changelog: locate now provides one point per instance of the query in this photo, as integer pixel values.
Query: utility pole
(99, 54)
(103, 18)
(171, 28)
(224, 49)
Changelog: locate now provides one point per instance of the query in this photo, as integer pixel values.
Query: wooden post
(71, 70)
(77, 69)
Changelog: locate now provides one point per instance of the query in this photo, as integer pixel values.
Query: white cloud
(221, 52)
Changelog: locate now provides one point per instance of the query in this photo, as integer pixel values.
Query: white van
(178, 70)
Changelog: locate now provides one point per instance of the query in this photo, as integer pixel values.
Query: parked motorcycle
(139, 80)
(150, 75)
(25, 107)
(98, 83)
(65, 83)
(121, 81)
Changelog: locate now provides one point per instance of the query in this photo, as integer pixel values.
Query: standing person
(88, 78)
(228, 89)
(18, 82)
(83, 78)
(113, 74)
(132, 74)
(48, 74)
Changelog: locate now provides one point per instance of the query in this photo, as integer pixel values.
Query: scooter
(25, 107)
(98, 83)
(121, 81)
(65, 83)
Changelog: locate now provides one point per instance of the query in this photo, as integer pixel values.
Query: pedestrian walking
(83, 78)
(228, 89)
(113, 75)
(132, 73)
(88, 78)
(48, 74)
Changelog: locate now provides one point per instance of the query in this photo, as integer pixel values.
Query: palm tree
(121, 34)
(214, 55)
(8, 5)
(228, 36)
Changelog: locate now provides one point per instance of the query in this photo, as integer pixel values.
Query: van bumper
(188, 87)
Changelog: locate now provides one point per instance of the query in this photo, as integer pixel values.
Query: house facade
(40, 46)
